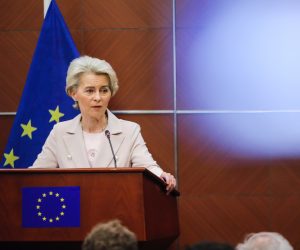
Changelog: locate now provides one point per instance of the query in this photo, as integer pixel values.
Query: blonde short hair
(85, 64)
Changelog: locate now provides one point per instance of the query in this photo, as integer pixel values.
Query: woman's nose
(97, 96)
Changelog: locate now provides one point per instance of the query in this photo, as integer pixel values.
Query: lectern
(134, 195)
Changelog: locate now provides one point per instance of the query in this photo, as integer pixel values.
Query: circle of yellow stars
(28, 129)
(61, 210)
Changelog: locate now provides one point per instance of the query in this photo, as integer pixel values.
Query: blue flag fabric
(50, 207)
(44, 101)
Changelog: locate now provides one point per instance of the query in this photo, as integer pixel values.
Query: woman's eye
(104, 90)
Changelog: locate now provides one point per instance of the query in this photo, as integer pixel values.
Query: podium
(133, 195)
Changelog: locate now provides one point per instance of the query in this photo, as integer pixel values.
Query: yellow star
(10, 158)
(55, 114)
(27, 129)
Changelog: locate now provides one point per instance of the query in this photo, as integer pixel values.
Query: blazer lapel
(105, 158)
(75, 144)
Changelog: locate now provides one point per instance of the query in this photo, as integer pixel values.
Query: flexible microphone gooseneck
(107, 133)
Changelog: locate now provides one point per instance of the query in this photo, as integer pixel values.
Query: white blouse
(94, 143)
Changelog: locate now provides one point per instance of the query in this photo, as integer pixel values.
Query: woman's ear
(73, 95)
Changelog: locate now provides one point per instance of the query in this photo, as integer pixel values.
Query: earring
(75, 105)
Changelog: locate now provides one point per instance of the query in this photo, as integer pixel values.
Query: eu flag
(44, 101)
(51, 206)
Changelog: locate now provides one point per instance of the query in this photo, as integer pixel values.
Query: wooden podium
(134, 195)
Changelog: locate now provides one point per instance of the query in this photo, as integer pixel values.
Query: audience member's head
(264, 241)
(210, 245)
(110, 236)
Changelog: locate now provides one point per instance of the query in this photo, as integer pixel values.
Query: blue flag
(51, 207)
(44, 101)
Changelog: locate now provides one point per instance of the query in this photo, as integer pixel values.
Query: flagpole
(46, 6)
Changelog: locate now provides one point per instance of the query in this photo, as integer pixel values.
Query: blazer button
(69, 157)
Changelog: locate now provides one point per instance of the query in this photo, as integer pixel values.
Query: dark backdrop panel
(157, 131)
(224, 195)
(207, 166)
(77, 36)
(16, 50)
(224, 218)
(127, 14)
(6, 122)
(285, 217)
(72, 13)
(142, 60)
(21, 15)
(285, 177)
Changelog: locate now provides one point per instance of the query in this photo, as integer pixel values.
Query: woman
(83, 141)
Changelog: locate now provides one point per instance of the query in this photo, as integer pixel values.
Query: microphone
(107, 133)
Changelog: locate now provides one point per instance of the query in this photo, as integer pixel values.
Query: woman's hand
(170, 180)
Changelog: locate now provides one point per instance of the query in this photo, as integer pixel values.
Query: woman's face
(93, 95)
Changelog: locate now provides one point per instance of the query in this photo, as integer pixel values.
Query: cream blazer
(65, 147)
